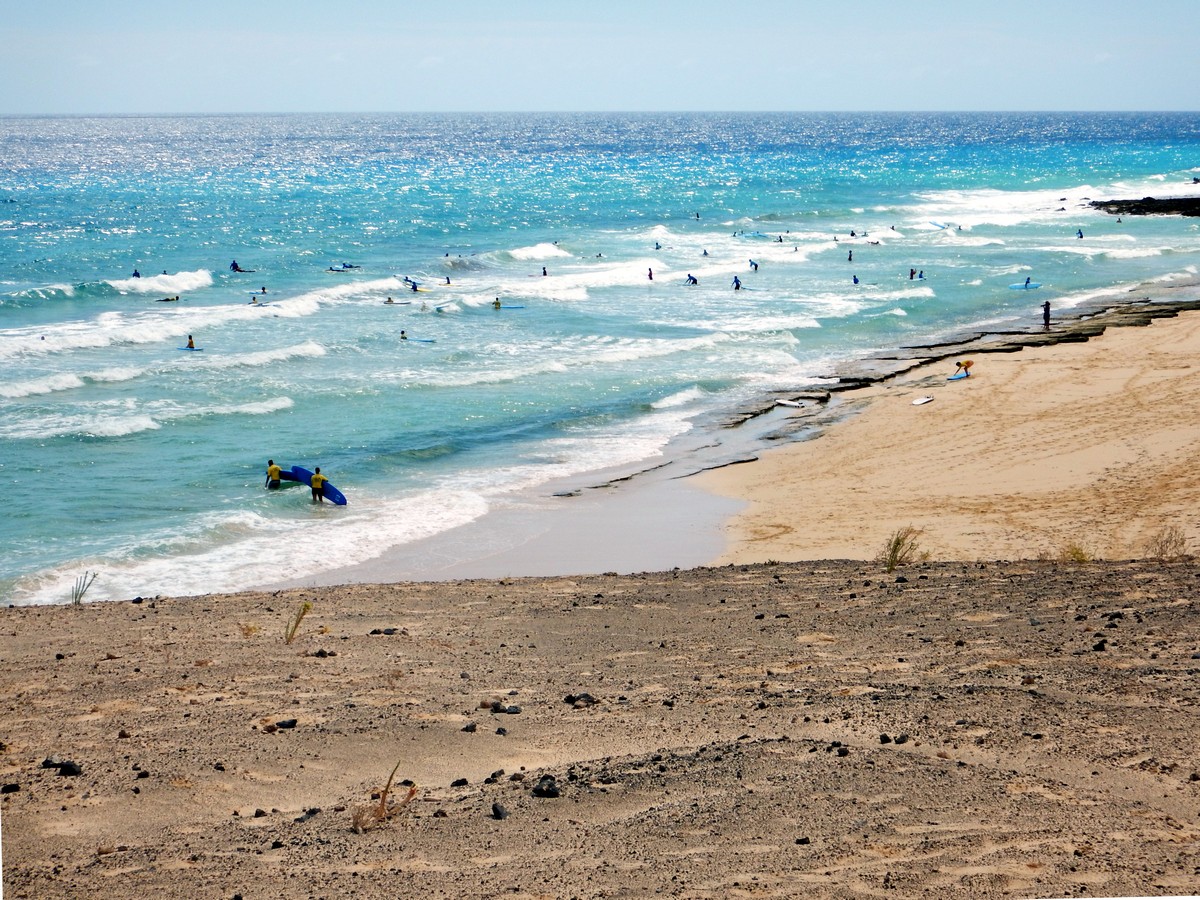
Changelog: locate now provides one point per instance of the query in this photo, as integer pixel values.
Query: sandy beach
(1092, 445)
(1002, 719)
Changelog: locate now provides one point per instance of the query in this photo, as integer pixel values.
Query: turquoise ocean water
(120, 453)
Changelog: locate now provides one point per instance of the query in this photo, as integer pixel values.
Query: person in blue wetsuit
(737, 283)
(691, 279)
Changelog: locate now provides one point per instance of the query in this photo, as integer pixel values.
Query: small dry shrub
(372, 815)
(248, 630)
(1168, 542)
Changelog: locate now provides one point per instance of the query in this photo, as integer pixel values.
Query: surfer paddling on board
(317, 483)
(273, 475)
(964, 367)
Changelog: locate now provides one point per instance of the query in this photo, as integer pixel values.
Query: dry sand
(1095, 445)
(824, 729)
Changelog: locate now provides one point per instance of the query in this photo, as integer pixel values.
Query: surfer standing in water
(273, 475)
(318, 484)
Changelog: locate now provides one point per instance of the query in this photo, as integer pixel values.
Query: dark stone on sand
(803, 840)
(502, 731)
(579, 701)
(259, 813)
(10, 788)
(513, 710)
(1149, 206)
(843, 751)
(143, 774)
(440, 814)
(286, 723)
(470, 727)
(900, 579)
(459, 782)
(51, 762)
(885, 739)
(902, 739)
(308, 814)
(59, 656)
(547, 786)
(498, 811)
(278, 845)
(70, 768)
(1100, 645)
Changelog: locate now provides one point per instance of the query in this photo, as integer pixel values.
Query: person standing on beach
(273, 475)
(964, 366)
(1046, 314)
(318, 485)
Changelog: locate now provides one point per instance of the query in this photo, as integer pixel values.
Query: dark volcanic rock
(1149, 206)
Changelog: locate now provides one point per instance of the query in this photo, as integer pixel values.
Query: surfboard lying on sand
(328, 491)
(790, 403)
(959, 377)
(921, 400)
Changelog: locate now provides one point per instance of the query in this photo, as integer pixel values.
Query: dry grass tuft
(902, 548)
(293, 626)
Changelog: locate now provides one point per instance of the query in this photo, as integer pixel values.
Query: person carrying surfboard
(318, 483)
(273, 475)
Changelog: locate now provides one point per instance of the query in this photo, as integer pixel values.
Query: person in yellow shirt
(273, 475)
(318, 485)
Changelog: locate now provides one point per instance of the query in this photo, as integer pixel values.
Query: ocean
(123, 455)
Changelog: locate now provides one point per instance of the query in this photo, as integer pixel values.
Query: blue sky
(199, 56)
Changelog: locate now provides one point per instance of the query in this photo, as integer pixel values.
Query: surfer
(317, 483)
(754, 265)
(389, 300)
(496, 304)
(1079, 234)
(705, 253)
(1046, 314)
(850, 256)
(737, 283)
(413, 285)
(650, 274)
(544, 268)
(964, 366)
(856, 279)
(403, 335)
(137, 274)
(191, 343)
(1027, 280)
(912, 273)
(273, 475)
(691, 279)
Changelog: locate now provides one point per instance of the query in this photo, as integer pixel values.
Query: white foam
(171, 285)
(48, 384)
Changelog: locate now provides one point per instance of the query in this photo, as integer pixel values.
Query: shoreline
(683, 510)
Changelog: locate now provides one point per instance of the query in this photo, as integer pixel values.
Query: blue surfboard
(959, 377)
(1033, 285)
(328, 491)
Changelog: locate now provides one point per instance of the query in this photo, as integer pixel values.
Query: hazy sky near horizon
(220, 56)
